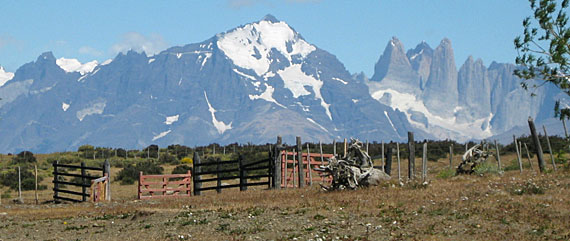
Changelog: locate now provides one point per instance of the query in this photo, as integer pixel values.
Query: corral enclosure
(491, 204)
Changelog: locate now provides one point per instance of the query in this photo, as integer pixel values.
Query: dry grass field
(489, 206)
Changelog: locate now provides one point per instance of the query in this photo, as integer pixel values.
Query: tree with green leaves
(544, 49)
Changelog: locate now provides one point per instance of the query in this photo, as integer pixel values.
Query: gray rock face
(474, 90)
(420, 57)
(441, 88)
(394, 69)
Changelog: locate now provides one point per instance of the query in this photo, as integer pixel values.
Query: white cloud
(90, 51)
(138, 42)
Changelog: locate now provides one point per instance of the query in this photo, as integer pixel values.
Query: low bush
(130, 173)
(446, 173)
(486, 168)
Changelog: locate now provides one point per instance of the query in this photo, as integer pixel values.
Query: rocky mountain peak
(270, 18)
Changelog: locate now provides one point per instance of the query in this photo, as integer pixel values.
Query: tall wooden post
(345, 147)
(424, 163)
(322, 158)
(19, 186)
(398, 156)
(242, 175)
(334, 148)
(536, 144)
(411, 155)
(277, 164)
(309, 167)
(55, 180)
(36, 176)
(195, 173)
(382, 158)
(218, 180)
(388, 166)
(300, 161)
(83, 182)
(549, 148)
(518, 152)
(367, 146)
(451, 156)
(498, 156)
(564, 125)
(107, 170)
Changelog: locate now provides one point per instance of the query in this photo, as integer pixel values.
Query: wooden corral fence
(230, 170)
(179, 186)
(83, 179)
(290, 168)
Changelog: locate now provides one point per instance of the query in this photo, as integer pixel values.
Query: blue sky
(355, 31)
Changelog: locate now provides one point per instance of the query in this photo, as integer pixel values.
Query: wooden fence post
(36, 176)
(309, 167)
(498, 156)
(83, 188)
(388, 166)
(334, 148)
(382, 158)
(139, 185)
(322, 158)
(285, 165)
(195, 170)
(536, 144)
(19, 186)
(218, 181)
(411, 155)
(367, 146)
(424, 163)
(398, 156)
(107, 170)
(451, 156)
(277, 164)
(518, 152)
(345, 147)
(300, 161)
(564, 125)
(242, 175)
(294, 177)
(56, 179)
(549, 148)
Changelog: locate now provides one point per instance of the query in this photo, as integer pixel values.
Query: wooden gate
(163, 186)
(290, 168)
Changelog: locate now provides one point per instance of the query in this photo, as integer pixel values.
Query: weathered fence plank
(411, 155)
(549, 148)
(536, 142)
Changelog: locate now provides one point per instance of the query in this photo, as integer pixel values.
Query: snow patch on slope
(249, 46)
(295, 80)
(161, 135)
(320, 126)
(96, 108)
(244, 75)
(390, 120)
(64, 106)
(409, 103)
(171, 119)
(340, 80)
(5, 76)
(266, 95)
(73, 65)
(220, 125)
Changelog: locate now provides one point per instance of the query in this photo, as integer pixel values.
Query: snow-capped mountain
(5, 76)
(475, 102)
(248, 84)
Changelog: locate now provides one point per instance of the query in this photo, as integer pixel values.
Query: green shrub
(181, 169)
(446, 173)
(130, 173)
(24, 158)
(486, 167)
(168, 159)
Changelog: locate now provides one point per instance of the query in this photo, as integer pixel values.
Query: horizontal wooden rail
(79, 167)
(256, 168)
(71, 183)
(255, 163)
(71, 192)
(68, 199)
(215, 163)
(216, 172)
(74, 175)
(182, 189)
